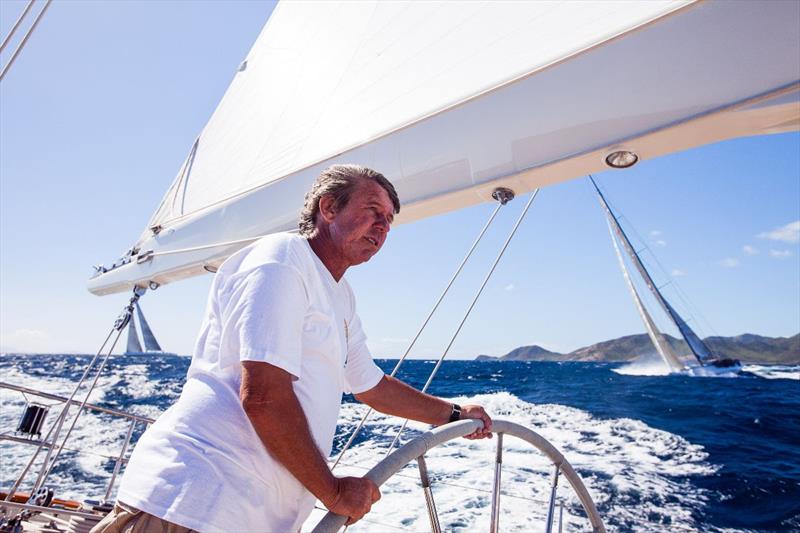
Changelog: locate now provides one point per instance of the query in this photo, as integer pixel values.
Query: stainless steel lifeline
(417, 447)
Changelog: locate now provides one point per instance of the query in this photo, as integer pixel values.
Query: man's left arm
(393, 397)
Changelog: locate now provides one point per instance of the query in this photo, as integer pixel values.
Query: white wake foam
(774, 371)
(640, 477)
(636, 474)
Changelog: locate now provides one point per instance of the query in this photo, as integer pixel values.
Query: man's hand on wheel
(476, 412)
(354, 498)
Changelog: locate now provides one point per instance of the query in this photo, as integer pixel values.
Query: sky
(101, 107)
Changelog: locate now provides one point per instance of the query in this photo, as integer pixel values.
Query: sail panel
(699, 348)
(661, 345)
(133, 346)
(150, 342)
(324, 77)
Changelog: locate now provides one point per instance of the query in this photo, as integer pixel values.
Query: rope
(24, 39)
(469, 309)
(421, 329)
(205, 246)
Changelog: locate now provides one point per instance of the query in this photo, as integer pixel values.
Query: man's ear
(327, 208)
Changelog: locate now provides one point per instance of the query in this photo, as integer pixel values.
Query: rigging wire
(24, 39)
(16, 25)
(364, 418)
(690, 308)
(469, 309)
(55, 429)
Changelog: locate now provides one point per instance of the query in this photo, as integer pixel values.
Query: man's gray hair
(339, 181)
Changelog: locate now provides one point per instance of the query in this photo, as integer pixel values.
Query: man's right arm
(269, 401)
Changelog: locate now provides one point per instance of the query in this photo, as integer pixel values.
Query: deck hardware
(551, 507)
(503, 195)
(494, 526)
(426, 488)
(144, 257)
(32, 419)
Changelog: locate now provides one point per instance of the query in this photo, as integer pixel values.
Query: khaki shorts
(126, 519)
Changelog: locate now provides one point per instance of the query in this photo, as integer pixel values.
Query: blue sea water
(658, 453)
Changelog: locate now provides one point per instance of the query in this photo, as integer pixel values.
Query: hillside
(747, 348)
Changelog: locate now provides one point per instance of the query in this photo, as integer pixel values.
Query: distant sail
(150, 342)
(662, 346)
(697, 346)
(133, 338)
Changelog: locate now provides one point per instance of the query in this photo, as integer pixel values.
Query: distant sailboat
(134, 346)
(700, 360)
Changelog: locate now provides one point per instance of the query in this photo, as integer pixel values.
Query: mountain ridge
(748, 348)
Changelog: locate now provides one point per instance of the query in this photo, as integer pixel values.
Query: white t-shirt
(201, 464)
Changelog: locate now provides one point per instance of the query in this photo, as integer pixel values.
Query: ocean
(657, 452)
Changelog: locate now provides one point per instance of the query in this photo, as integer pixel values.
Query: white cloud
(788, 233)
(655, 233)
(509, 287)
(661, 242)
(780, 254)
(729, 262)
(676, 273)
(749, 250)
(655, 236)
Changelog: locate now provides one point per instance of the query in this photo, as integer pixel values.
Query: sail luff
(150, 342)
(697, 347)
(662, 346)
(133, 346)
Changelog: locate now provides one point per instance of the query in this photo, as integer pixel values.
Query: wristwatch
(455, 414)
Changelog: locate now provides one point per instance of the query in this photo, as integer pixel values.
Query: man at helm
(244, 448)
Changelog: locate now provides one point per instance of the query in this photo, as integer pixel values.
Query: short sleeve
(361, 372)
(266, 313)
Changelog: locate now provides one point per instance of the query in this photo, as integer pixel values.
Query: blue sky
(102, 105)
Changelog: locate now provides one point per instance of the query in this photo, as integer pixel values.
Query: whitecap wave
(774, 371)
(639, 476)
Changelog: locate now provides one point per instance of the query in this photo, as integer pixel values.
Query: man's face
(359, 229)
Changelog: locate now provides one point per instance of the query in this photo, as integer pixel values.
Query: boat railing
(416, 449)
(119, 458)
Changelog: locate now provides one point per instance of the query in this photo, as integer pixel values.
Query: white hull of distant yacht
(678, 76)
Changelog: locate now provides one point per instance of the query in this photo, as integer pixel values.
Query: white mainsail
(452, 99)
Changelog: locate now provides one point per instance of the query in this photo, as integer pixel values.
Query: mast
(133, 338)
(150, 342)
(697, 346)
(662, 346)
